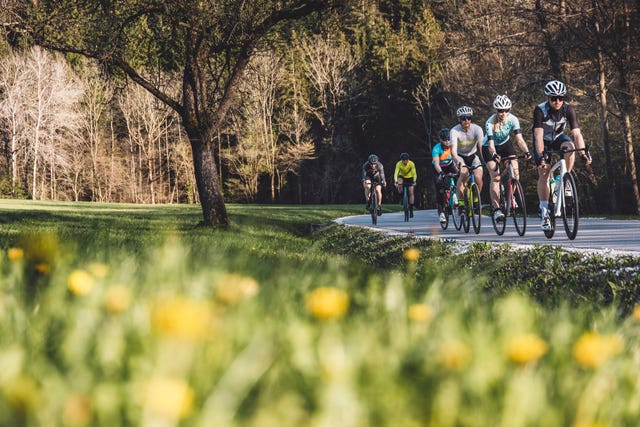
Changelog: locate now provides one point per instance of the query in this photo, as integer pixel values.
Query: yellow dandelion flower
(420, 313)
(15, 254)
(180, 317)
(592, 349)
(235, 287)
(117, 299)
(454, 355)
(80, 282)
(42, 268)
(412, 254)
(170, 398)
(636, 312)
(22, 394)
(327, 303)
(526, 348)
(78, 410)
(98, 269)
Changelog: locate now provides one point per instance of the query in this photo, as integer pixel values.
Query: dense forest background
(318, 96)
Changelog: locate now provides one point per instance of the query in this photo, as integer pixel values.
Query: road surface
(616, 237)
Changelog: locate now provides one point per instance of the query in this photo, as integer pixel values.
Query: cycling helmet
(502, 102)
(555, 88)
(404, 156)
(373, 158)
(444, 134)
(464, 111)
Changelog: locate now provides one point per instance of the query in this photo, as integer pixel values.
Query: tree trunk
(214, 210)
(602, 87)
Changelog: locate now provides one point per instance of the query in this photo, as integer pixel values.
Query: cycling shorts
(503, 150)
(552, 145)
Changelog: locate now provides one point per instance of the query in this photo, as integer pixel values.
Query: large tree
(206, 44)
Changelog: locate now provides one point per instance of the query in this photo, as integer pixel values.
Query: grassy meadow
(125, 315)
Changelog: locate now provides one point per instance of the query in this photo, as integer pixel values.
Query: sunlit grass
(118, 315)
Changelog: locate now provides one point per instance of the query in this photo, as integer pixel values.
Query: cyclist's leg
(494, 174)
(366, 184)
(379, 191)
(477, 172)
(439, 185)
(462, 179)
(566, 142)
(543, 186)
(399, 184)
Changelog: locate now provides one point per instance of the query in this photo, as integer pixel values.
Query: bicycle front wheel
(518, 207)
(552, 215)
(570, 212)
(374, 206)
(466, 217)
(476, 208)
(405, 204)
(457, 218)
(499, 225)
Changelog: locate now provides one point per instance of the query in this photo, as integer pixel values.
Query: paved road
(594, 234)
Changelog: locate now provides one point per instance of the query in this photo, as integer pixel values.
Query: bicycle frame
(561, 166)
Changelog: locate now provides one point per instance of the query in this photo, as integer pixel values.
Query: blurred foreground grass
(117, 315)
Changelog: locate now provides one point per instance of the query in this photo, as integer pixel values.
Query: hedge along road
(598, 235)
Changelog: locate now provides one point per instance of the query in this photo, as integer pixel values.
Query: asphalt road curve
(615, 237)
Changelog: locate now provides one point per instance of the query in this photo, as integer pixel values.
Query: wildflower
(455, 355)
(235, 287)
(22, 394)
(98, 270)
(80, 282)
(412, 254)
(180, 317)
(420, 313)
(171, 398)
(42, 268)
(117, 299)
(526, 348)
(15, 254)
(327, 303)
(78, 410)
(636, 312)
(592, 349)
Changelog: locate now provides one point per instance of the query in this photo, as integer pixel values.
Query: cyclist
(373, 173)
(549, 121)
(442, 163)
(466, 143)
(497, 145)
(405, 174)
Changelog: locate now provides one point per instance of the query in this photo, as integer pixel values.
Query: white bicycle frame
(559, 185)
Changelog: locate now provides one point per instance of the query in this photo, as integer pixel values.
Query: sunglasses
(556, 98)
(503, 110)
(465, 118)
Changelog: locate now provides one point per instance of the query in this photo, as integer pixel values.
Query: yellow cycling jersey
(405, 171)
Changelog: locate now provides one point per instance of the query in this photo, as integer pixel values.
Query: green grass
(118, 315)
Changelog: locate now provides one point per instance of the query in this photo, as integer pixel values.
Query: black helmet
(404, 156)
(444, 134)
(373, 158)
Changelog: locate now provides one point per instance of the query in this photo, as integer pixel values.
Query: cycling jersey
(405, 171)
(466, 141)
(502, 135)
(441, 155)
(553, 122)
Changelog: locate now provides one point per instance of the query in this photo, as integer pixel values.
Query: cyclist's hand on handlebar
(586, 157)
(527, 155)
(495, 157)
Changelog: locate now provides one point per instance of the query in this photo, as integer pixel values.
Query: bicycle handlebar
(509, 158)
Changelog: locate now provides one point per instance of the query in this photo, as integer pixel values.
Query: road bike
(451, 202)
(472, 212)
(563, 196)
(374, 203)
(512, 201)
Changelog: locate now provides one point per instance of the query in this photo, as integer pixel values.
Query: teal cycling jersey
(503, 131)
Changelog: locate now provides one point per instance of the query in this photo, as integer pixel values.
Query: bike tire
(374, 206)
(466, 217)
(570, 211)
(457, 218)
(405, 204)
(446, 210)
(476, 208)
(518, 207)
(499, 226)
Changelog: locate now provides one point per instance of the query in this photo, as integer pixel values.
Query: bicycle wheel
(405, 203)
(518, 207)
(457, 219)
(500, 225)
(466, 217)
(570, 210)
(552, 216)
(374, 206)
(476, 208)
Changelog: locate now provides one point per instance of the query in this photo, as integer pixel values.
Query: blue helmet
(373, 158)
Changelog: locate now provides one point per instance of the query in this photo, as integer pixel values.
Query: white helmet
(555, 88)
(502, 102)
(464, 111)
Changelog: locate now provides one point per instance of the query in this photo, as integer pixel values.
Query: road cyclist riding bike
(373, 176)
(443, 164)
(497, 145)
(549, 121)
(405, 175)
(466, 144)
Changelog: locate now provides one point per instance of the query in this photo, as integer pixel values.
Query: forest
(225, 101)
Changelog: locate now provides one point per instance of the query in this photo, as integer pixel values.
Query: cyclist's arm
(520, 141)
(382, 177)
(414, 172)
(538, 141)
(397, 171)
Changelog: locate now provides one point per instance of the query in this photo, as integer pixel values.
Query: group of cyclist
(463, 148)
